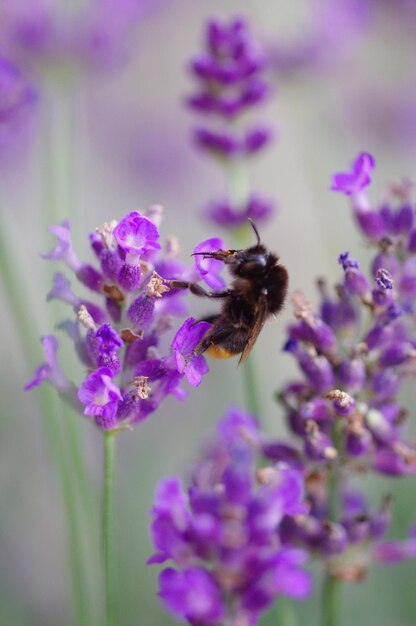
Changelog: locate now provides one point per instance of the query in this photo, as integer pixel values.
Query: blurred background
(105, 131)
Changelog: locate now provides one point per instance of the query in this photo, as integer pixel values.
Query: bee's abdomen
(220, 352)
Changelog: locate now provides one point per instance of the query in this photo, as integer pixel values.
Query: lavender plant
(230, 85)
(123, 335)
(122, 341)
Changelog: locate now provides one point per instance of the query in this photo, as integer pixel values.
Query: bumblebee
(258, 290)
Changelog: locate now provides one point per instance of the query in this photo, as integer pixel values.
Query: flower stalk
(332, 586)
(108, 529)
(331, 601)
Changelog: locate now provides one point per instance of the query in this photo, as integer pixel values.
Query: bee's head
(246, 261)
(251, 260)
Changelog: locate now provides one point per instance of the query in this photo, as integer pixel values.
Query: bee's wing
(261, 316)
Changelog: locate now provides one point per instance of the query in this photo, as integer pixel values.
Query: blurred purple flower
(192, 595)
(396, 551)
(223, 212)
(50, 370)
(229, 75)
(223, 535)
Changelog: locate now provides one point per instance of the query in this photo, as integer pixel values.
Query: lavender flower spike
(365, 351)
(119, 340)
(230, 83)
(222, 535)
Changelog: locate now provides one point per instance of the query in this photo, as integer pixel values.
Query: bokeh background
(110, 133)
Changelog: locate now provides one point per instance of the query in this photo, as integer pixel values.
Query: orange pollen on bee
(219, 352)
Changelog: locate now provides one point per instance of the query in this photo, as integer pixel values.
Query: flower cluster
(230, 83)
(355, 355)
(121, 340)
(223, 532)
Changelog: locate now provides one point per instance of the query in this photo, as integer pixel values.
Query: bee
(258, 290)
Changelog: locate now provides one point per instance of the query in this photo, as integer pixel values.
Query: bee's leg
(196, 289)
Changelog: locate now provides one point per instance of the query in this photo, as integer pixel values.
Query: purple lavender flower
(192, 595)
(355, 355)
(101, 397)
(353, 182)
(136, 235)
(186, 339)
(384, 279)
(230, 83)
(209, 268)
(63, 251)
(396, 551)
(224, 213)
(49, 370)
(61, 290)
(223, 534)
(355, 281)
(119, 339)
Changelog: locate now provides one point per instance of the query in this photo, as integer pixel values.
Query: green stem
(250, 387)
(331, 601)
(331, 586)
(238, 182)
(282, 613)
(108, 525)
(286, 611)
(75, 556)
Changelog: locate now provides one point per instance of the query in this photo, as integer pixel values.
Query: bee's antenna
(254, 227)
